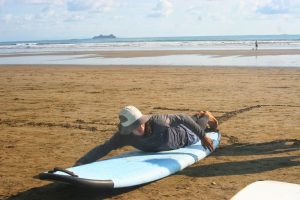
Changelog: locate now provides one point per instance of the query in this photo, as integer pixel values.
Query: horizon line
(143, 37)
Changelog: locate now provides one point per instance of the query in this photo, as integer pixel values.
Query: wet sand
(51, 115)
(153, 53)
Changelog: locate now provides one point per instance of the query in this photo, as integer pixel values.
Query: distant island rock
(111, 36)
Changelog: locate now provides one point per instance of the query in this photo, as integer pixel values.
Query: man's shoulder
(162, 120)
(158, 117)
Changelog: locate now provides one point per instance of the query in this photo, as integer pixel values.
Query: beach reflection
(170, 60)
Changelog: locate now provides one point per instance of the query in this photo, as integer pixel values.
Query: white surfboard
(265, 190)
(133, 168)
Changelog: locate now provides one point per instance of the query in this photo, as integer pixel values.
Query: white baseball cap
(131, 118)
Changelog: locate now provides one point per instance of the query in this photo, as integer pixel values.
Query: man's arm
(101, 150)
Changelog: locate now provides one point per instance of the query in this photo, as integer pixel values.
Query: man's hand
(77, 164)
(207, 143)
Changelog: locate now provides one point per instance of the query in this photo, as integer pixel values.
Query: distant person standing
(256, 45)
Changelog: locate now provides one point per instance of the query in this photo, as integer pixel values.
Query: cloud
(196, 12)
(2, 2)
(36, 1)
(28, 17)
(272, 10)
(8, 18)
(47, 13)
(213, 10)
(78, 5)
(266, 7)
(74, 18)
(49, 2)
(163, 8)
(56, 12)
(92, 5)
(53, 15)
(105, 5)
(273, 7)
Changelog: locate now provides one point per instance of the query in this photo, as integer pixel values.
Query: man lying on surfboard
(154, 133)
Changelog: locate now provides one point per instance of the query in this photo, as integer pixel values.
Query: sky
(69, 19)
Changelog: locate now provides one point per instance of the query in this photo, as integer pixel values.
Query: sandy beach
(52, 114)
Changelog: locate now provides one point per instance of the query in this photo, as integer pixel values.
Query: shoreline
(126, 66)
(155, 53)
(234, 58)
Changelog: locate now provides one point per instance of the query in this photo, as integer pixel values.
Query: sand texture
(51, 115)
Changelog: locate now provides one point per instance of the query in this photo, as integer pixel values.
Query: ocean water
(245, 42)
(158, 43)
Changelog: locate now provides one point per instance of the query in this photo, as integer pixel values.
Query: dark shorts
(192, 138)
